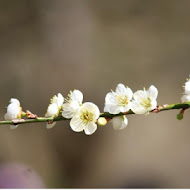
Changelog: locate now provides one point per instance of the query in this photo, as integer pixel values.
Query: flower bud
(102, 121)
(180, 116)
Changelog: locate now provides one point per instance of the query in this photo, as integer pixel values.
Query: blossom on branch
(14, 111)
(85, 118)
(118, 101)
(72, 104)
(59, 100)
(144, 101)
(54, 108)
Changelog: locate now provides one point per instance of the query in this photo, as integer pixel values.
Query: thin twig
(165, 107)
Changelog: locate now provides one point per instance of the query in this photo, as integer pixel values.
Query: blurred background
(48, 47)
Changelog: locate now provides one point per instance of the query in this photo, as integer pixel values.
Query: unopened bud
(180, 116)
(102, 121)
(23, 114)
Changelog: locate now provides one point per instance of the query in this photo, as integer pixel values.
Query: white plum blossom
(120, 122)
(59, 100)
(144, 100)
(85, 118)
(72, 104)
(14, 111)
(118, 101)
(52, 111)
(54, 108)
(186, 95)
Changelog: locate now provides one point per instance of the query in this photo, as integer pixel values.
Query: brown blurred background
(48, 47)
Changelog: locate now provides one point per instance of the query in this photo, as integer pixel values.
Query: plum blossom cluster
(86, 116)
(122, 100)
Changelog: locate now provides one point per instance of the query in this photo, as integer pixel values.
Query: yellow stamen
(86, 117)
(146, 103)
(122, 100)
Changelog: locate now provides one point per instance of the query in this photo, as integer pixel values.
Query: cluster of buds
(87, 117)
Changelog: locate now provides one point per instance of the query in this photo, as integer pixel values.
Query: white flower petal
(52, 110)
(67, 112)
(126, 108)
(60, 99)
(153, 105)
(73, 104)
(13, 111)
(106, 108)
(90, 128)
(15, 101)
(138, 108)
(185, 98)
(76, 95)
(110, 98)
(121, 89)
(13, 108)
(69, 109)
(119, 122)
(113, 109)
(187, 87)
(129, 93)
(91, 108)
(50, 125)
(153, 92)
(139, 95)
(13, 126)
(76, 124)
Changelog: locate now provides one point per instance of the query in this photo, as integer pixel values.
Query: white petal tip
(13, 126)
(120, 122)
(50, 125)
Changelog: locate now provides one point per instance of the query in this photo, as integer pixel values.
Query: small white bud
(119, 122)
(102, 121)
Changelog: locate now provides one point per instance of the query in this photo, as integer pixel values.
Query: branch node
(16, 121)
(30, 115)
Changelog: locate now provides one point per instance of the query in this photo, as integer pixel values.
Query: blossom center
(122, 100)
(86, 117)
(146, 103)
